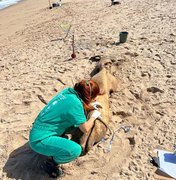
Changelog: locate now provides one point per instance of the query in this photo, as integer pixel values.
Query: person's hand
(95, 114)
(96, 105)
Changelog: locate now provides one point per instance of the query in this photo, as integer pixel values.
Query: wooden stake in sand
(73, 46)
(50, 7)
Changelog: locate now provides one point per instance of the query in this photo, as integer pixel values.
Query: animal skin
(108, 84)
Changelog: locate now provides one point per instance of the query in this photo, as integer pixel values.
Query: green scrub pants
(61, 149)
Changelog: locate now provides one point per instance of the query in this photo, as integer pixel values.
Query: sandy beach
(35, 61)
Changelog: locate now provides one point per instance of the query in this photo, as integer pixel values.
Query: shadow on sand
(24, 164)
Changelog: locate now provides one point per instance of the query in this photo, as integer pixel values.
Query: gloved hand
(96, 105)
(95, 114)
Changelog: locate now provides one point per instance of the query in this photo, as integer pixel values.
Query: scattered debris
(53, 5)
(154, 90)
(42, 99)
(95, 58)
(114, 2)
(57, 4)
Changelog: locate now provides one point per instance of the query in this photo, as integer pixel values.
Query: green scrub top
(62, 112)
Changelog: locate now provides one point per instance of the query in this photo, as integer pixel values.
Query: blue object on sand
(167, 162)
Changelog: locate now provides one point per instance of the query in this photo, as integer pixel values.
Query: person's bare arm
(86, 127)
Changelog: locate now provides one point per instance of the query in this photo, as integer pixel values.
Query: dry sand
(33, 56)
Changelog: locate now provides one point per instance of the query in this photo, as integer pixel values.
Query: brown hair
(87, 91)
